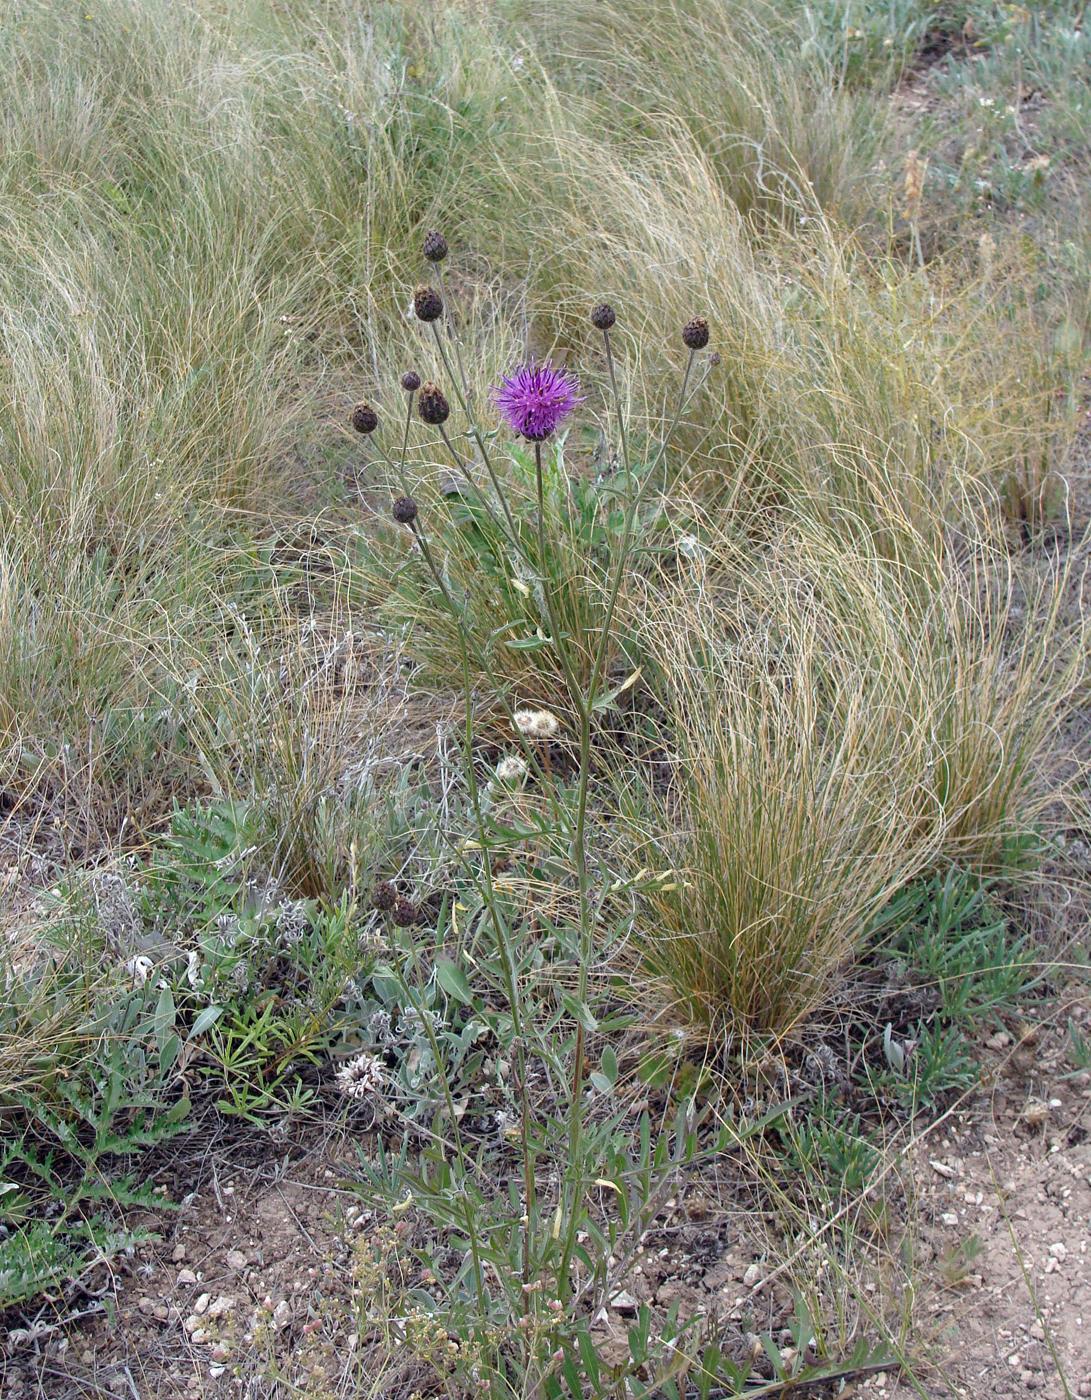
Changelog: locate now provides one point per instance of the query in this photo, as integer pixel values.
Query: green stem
(507, 964)
(476, 434)
(448, 322)
(459, 460)
(405, 435)
(530, 752)
(437, 1055)
(571, 676)
(580, 837)
(617, 405)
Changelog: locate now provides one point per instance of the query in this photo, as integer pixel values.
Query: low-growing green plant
(935, 1063)
(951, 946)
(831, 1146)
(952, 940)
(957, 1263)
(865, 43)
(76, 1117)
(1015, 121)
(262, 974)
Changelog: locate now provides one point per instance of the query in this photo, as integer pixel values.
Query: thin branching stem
(477, 436)
(507, 960)
(448, 322)
(530, 751)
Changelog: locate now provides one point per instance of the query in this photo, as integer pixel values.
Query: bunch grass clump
(840, 722)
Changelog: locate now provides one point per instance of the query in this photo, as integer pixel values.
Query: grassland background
(874, 666)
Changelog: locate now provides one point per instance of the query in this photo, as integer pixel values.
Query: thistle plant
(535, 402)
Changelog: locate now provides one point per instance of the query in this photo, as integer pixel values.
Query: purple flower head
(535, 399)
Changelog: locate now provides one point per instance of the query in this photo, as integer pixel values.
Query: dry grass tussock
(842, 723)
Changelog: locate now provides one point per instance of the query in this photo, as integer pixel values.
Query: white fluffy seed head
(536, 724)
(512, 768)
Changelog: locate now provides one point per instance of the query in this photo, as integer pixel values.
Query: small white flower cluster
(821, 1064)
(228, 927)
(292, 921)
(412, 1023)
(381, 1027)
(265, 894)
(536, 724)
(370, 938)
(507, 1125)
(139, 969)
(360, 1076)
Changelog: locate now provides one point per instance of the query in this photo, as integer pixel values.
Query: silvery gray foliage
(422, 1041)
(116, 909)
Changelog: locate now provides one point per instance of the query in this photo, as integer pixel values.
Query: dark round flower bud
(405, 510)
(432, 405)
(695, 333)
(410, 381)
(404, 912)
(427, 303)
(364, 418)
(384, 895)
(603, 316)
(435, 246)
